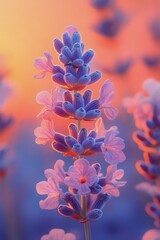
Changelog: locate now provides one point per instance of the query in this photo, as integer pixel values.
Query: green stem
(84, 205)
(84, 214)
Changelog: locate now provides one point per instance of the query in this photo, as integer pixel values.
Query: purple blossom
(113, 146)
(112, 179)
(81, 176)
(52, 189)
(106, 97)
(57, 171)
(58, 234)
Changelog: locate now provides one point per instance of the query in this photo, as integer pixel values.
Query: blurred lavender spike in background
(155, 29)
(110, 27)
(100, 4)
(151, 61)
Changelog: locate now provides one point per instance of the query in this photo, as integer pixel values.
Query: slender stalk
(84, 205)
(85, 222)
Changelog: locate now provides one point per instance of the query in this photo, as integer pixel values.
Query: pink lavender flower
(106, 97)
(52, 189)
(153, 234)
(112, 179)
(44, 64)
(58, 234)
(81, 176)
(113, 146)
(45, 132)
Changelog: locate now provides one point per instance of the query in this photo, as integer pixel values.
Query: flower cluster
(5, 122)
(146, 111)
(82, 191)
(81, 179)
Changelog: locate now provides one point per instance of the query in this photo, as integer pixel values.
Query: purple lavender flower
(112, 182)
(81, 176)
(113, 146)
(54, 192)
(85, 190)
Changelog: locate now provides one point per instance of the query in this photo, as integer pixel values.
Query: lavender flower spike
(146, 111)
(82, 191)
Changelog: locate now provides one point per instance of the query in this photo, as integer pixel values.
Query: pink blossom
(52, 189)
(58, 234)
(81, 176)
(152, 234)
(44, 64)
(49, 101)
(57, 171)
(112, 147)
(45, 132)
(112, 180)
(106, 97)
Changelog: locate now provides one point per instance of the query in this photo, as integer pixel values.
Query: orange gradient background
(28, 28)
